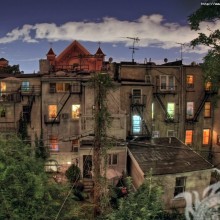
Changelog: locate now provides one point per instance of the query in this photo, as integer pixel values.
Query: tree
(25, 191)
(145, 203)
(211, 65)
(41, 151)
(73, 174)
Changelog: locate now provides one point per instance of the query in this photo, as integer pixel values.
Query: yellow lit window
(171, 109)
(75, 111)
(207, 109)
(189, 137)
(206, 136)
(208, 86)
(3, 87)
(52, 111)
(190, 81)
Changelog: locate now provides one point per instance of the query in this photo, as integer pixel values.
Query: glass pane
(206, 135)
(189, 110)
(136, 122)
(59, 87)
(75, 111)
(171, 109)
(52, 111)
(188, 138)
(163, 84)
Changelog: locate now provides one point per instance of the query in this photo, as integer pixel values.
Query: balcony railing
(49, 120)
(10, 97)
(31, 90)
(138, 100)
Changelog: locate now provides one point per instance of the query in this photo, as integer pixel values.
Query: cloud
(152, 30)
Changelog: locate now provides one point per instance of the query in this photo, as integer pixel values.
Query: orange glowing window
(207, 112)
(62, 87)
(189, 137)
(52, 111)
(206, 136)
(3, 87)
(190, 81)
(53, 143)
(208, 86)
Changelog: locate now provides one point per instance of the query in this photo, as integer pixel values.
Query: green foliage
(10, 69)
(41, 151)
(73, 173)
(211, 63)
(25, 192)
(145, 203)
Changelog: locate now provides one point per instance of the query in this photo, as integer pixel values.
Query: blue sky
(29, 27)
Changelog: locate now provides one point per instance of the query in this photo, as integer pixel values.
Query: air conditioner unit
(148, 79)
(65, 116)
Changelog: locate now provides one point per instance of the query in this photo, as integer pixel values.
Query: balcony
(49, 120)
(10, 97)
(138, 100)
(30, 90)
(165, 89)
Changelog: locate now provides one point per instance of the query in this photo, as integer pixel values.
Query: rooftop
(166, 156)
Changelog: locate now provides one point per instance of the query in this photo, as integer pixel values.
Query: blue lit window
(136, 122)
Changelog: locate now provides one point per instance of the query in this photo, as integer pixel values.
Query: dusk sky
(28, 28)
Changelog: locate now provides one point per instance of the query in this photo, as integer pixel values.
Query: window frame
(180, 188)
(172, 116)
(77, 112)
(167, 83)
(111, 159)
(204, 137)
(191, 137)
(189, 84)
(53, 141)
(190, 108)
(135, 126)
(66, 87)
(207, 109)
(25, 86)
(55, 113)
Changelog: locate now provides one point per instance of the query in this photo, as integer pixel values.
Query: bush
(73, 173)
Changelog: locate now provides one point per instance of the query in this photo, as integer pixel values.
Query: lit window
(190, 81)
(208, 86)
(136, 122)
(189, 137)
(25, 86)
(52, 111)
(206, 136)
(180, 185)
(152, 109)
(62, 87)
(207, 109)
(112, 159)
(167, 82)
(2, 88)
(53, 143)
(189, 110)
(75, 111)
(171, 109)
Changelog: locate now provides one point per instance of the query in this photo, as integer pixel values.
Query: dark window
(113, 159)
(180, 185)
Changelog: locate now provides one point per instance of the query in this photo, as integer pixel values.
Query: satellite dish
(165, 60)
(110, 59)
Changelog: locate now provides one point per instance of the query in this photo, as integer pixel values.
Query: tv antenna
(133, 48)
(181, 50)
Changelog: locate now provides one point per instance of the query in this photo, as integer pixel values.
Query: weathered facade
(174, 166)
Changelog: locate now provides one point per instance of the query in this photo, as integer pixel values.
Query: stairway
(88, 185)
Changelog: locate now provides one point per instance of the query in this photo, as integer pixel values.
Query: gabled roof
(166, 156)
(51, 52)
(99, 52)
(70, 48)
